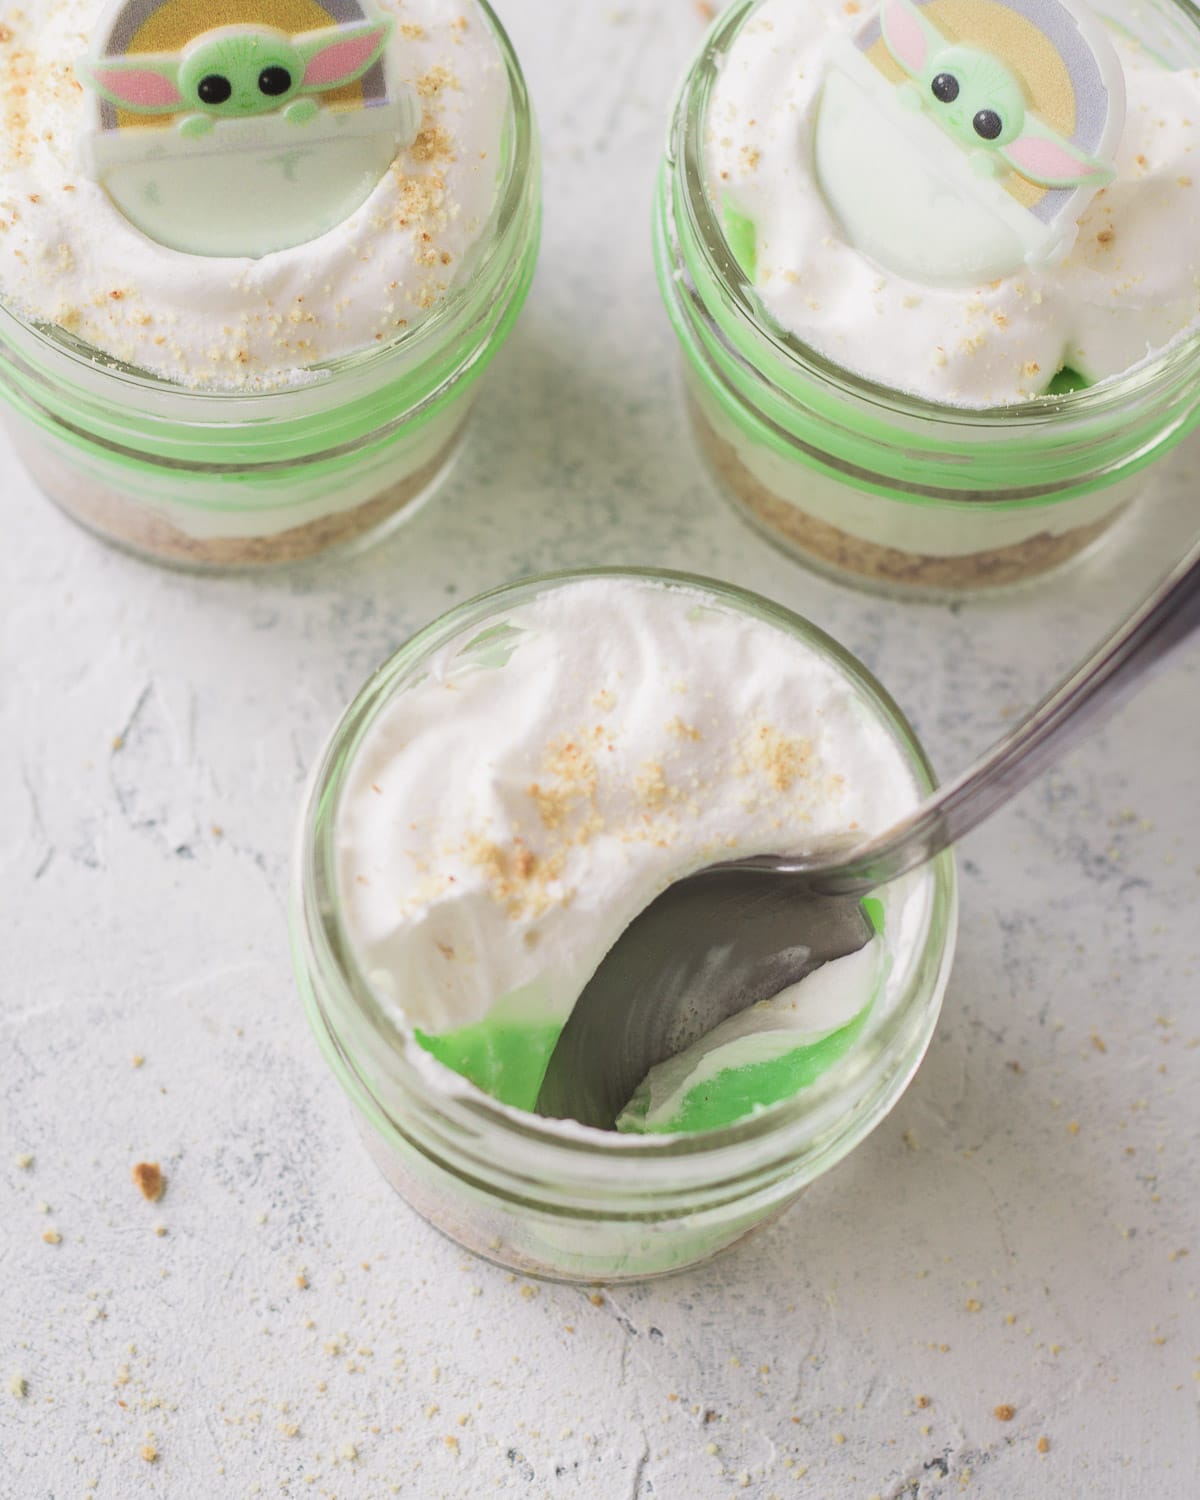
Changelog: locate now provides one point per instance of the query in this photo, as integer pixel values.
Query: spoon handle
(1094, 689)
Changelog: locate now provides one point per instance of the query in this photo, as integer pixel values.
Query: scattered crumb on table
(149, 1178)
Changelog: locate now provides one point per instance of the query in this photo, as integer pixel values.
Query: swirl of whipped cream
(68, 256)
(1127, 289)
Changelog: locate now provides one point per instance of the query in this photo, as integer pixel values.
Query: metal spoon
(734, 934)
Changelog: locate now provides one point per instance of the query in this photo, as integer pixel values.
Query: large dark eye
(214, 89)
(988, 124)
(274, 81)
(945, 88)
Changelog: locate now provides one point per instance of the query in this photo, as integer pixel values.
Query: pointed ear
(1048, 160)
(146, 83)
(337, 55)
(909, 37)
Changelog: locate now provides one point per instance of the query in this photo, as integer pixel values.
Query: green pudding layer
(1066, 381)
(743, 241)
(761, 1057)
(749, 1083)
(506, 1059)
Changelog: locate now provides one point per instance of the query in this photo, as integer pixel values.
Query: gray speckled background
(155, 732)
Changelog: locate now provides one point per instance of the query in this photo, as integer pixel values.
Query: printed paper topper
(958, 140)
(236, 71)
(253, 134)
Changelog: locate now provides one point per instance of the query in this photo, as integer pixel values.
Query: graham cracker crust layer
(111, 515)
(799, 532)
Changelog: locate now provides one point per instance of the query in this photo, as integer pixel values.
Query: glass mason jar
(557, 1200)
(206, 479)
(868, 483)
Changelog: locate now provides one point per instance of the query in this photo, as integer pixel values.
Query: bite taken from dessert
(500, 803)
(254, 255)
(934, 267)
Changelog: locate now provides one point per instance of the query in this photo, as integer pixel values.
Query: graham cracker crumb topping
(778, 757)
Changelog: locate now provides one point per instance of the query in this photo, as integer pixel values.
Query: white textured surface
(139, 710)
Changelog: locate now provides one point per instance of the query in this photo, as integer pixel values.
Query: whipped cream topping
(509, 814)
(1127, 289)
(69, 257)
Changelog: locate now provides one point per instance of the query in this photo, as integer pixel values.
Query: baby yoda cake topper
(959, 140)
(240, 127)
(233, 72)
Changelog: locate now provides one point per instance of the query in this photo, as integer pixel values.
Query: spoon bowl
(763, 933)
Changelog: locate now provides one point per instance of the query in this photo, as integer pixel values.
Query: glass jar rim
(1169, 365)
(320, 938)
(508, 207)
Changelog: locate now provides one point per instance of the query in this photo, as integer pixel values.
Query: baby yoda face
(240, 73)
(980, 103)
(975, 97)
